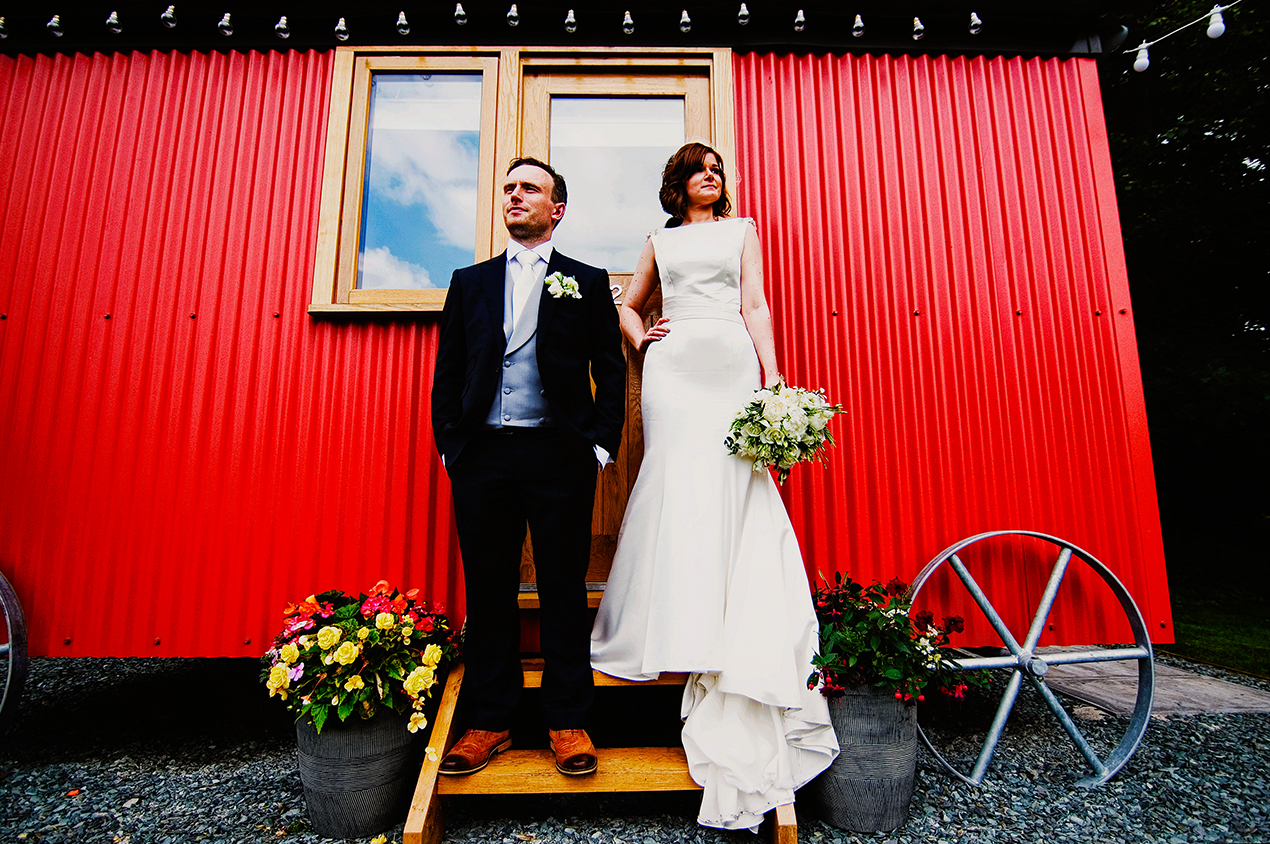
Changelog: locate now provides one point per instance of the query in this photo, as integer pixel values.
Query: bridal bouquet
(781, 426)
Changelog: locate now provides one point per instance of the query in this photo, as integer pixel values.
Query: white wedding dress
(708, 577)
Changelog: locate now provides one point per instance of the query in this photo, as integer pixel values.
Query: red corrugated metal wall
(174, 474)
(944, 257)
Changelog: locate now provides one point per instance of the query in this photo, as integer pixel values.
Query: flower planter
(869, 786)
(358, 776)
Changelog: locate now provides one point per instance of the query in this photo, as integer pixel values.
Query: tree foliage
(1190, 144)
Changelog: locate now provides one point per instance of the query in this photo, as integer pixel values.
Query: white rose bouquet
(781, 426)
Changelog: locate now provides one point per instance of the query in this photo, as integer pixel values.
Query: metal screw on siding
(107, 316)
(1018, 313)
(246, 641)
(1124, 310)
(1097, 313)
(66, 641)
(276, 315)
(156, 640)
(193, 316)
(917, 313)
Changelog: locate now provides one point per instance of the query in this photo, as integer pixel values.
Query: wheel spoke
(1004, 708)
(1070, 726)
(1047, 599)
(1099, 655)
(984, 604)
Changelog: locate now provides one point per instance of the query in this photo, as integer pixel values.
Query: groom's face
(528, 211)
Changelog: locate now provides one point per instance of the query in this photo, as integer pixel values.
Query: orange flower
(380, 588)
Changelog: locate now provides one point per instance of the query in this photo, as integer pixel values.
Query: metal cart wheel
(13, 658)
(1023, 662)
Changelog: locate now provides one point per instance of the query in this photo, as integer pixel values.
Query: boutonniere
(560, 285)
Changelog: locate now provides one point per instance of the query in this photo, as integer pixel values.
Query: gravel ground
(177, 750)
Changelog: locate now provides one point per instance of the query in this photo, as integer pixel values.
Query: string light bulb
(628, 23)
(55, 25)
(113, 24)
(169, 17)
(685, 22)
(743, 15)
(513, 16)
(226, 26)
(570, 23)
(857, 28)
(341, 30)
(282, 29)
(800, 21)
(1216, 23)
(460, 16)
(403, 25)
(976, 24)
(1143, 61)
(4, 33)
(919, 29)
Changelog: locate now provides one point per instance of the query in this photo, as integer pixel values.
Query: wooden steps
(515, 771)
(534, 772)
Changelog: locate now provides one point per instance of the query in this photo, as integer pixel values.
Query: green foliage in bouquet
(867, 637)
(781, 426)
(339, 654)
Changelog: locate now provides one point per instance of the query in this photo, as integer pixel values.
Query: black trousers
(505, 480)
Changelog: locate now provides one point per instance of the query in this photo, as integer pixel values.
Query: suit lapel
(547, 303)
(494, 290)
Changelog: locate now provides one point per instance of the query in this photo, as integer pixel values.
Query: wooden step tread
(534, 772)
(533, 677)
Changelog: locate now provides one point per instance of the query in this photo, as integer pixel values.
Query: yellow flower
(385, 620)
(289, 653)
(417, 722)
(432, 655)
(421, 679)
(328, 636)
(354, 682)
(362, 633)
(431, 753)
(379, 839)
(278, 681)
(346, 653)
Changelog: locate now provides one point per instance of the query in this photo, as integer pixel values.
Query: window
(417, 145)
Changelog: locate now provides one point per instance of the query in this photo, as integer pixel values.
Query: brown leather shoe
(472, 752)
(575, 754)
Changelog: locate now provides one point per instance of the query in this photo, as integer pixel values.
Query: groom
(523, 335)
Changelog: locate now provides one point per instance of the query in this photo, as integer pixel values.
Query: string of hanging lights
(282, 28)
(1216, 27)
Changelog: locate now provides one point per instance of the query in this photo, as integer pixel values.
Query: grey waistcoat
(521, 401)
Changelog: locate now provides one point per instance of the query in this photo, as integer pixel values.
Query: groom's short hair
(559, 193)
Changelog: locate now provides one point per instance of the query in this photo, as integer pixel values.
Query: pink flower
(296, 671)
(295, 625)
(375, 605)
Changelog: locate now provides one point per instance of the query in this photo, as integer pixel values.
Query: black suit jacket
(578, 340)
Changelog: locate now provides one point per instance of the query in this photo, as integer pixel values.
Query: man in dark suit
(522, 438)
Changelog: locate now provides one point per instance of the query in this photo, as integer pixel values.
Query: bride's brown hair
(690, 159)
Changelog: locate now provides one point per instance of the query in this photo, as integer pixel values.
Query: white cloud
(382, 270)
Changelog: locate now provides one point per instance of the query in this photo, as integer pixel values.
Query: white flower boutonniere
(560, 285)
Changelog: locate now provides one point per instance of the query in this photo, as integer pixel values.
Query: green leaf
(317, 714)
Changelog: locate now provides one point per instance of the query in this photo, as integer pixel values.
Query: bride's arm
(631, 313)
(758, 319)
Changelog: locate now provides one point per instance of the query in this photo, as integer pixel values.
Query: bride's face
(706, 185)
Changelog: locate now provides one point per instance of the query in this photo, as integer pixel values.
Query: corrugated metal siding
(178, 478)
(944, 256)
(174, 474)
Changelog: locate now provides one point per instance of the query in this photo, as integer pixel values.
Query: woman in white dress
(708, 578)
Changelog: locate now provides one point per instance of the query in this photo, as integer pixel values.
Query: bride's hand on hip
(659, 330)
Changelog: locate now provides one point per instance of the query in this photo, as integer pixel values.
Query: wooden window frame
(511, 79)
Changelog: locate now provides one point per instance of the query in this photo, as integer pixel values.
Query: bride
(708, 578)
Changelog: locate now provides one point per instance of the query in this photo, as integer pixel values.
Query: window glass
(611, 152)
(420, 194)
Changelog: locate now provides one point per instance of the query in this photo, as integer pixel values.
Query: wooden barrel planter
(358, 775)
(869, 786)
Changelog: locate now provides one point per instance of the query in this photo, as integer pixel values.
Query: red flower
(896, 587)
(375, 605)
(924, 620)
(954, 624)
(425, 624)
